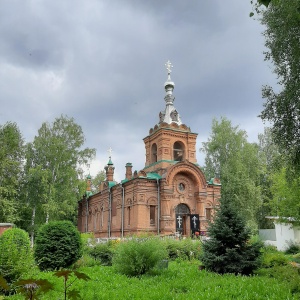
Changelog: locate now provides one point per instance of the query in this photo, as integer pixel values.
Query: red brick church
(169, 196)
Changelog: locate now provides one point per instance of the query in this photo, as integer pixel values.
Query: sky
(102, 62)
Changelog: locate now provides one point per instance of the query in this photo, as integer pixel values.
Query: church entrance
(182, 213)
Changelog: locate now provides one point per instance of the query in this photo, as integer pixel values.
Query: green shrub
(272, 259)
(103, 253)
(283, 273)
(85, 261)
(16, 256)
(57, 245)
(186, 249)
(138, 256)
(87, 240)
(292, 248)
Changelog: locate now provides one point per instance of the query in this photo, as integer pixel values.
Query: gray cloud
(102, 62)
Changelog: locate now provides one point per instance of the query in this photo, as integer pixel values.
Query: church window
(208, 214)
(129, 213)
(152, 214)
(154, 153)
(178, 151)
(101, 220)
(114, 208)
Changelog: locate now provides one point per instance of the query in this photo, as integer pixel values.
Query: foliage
(100, 176)
(286, 194)
(270, 162)
(186, 249)
(272, 259)
(282, 108)
(33, 288)
(74, 275)
(11, 157)
(138, 256)
(15, 254)
(103, 253)
(236, 161)
(57, 245)
(182, 280)
(293, 248)
(228, 249)
(287, 274)
(87, 240)
(86, 261)
(54, 166)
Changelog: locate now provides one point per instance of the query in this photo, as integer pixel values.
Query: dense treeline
(42, 180)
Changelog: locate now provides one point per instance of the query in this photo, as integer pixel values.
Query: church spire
(109, 168)
(170, 114)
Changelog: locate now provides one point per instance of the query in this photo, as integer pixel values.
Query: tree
(229, 249)
(270, 162)
(11, 166)
(54, 165)
(97, 180)
(15, 254)
(57, 245)
(229, 154)
(282, 108)
(286, 194)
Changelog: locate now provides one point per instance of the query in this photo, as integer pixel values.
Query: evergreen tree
(228, 250)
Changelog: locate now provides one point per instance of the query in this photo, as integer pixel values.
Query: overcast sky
(102, 62)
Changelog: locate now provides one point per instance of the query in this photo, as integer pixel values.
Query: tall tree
(55, 162)
(286, 194)
(270, 162)
(229, 154)
(11, 166)
(282, 106)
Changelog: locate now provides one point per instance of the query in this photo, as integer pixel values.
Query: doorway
(182, 212)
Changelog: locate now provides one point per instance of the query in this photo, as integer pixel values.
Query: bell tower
(170, 141)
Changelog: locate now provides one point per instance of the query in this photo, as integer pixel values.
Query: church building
(169, 196)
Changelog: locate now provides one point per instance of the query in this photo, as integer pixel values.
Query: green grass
(182, 280)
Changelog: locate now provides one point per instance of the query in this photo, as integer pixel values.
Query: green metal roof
(111, 184)
(153, 176)
(211, 181)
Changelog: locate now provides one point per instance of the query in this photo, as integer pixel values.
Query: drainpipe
(122, 214)
(86, 215)
(158, 207)
(109, 218)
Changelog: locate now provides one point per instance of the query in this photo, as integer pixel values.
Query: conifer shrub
(229, 249)
(16, 256)
(138, 256)
(57, 245)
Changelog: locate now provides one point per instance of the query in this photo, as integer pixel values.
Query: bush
(138, 256)
(87, 240)
(15, 254)
(273, 259)
(103, 253)
(57, 245)
(186, 249)
(283, 273)
(293, 248)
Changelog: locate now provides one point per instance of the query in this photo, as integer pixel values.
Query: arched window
(154, 153)
(178, 151)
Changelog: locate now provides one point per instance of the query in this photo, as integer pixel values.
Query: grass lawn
(182, 280)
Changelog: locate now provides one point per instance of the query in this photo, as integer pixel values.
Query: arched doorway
(182, 213)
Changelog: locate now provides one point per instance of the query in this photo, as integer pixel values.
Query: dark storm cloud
(102, 62)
